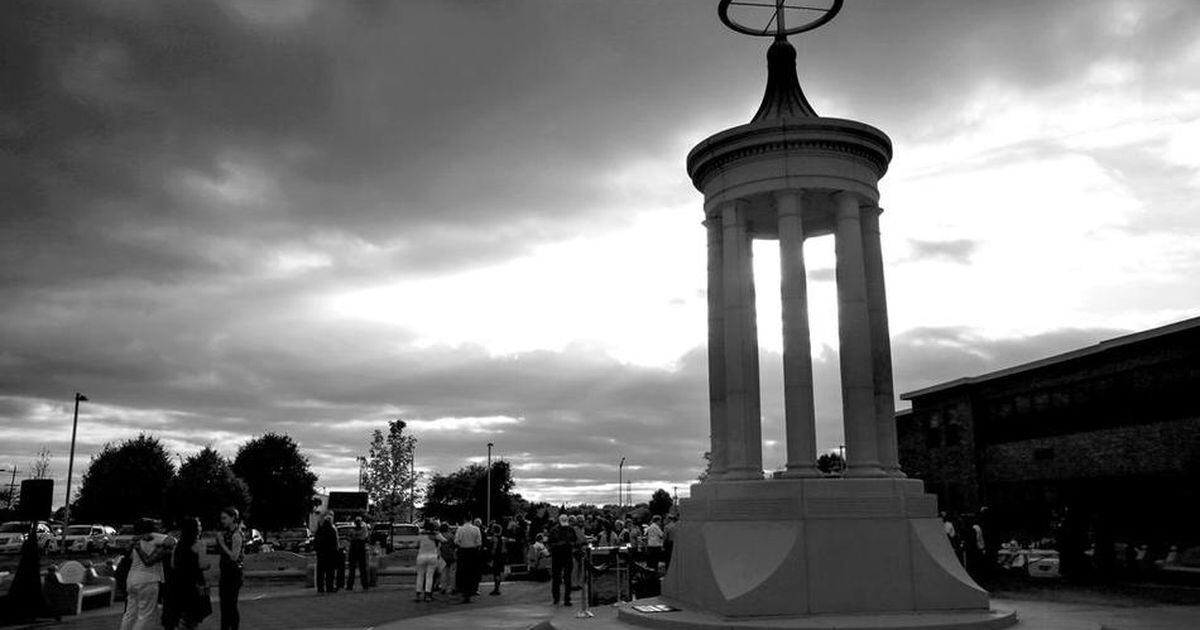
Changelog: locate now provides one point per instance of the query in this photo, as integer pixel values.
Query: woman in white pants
(427, 562)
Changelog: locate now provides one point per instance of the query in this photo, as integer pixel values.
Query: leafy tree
(831, 463)
(125, 482)
(703, 476)
(389, 479)
(204, 486)
(281, 485)
(450, 497)
(661, 502)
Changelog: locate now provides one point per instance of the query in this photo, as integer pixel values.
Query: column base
(869, 471)
(803, 548)
(799, 472)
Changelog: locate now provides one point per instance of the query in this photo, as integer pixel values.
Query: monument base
(695, 620)
(791, 553)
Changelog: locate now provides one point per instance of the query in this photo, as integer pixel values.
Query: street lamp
(620, 476)
(488, 518)
(71, 468)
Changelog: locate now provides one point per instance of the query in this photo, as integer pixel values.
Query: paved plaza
(526, 605)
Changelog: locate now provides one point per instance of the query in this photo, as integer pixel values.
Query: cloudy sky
(220, 218)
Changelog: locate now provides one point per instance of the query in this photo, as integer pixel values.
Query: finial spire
(783, 97)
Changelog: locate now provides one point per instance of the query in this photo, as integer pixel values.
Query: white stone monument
(802, 550)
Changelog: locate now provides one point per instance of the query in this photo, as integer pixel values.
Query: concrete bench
(275, 565)
(400, 563)
(68, 585)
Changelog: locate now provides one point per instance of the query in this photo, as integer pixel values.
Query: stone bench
(275, 565)
(69, 584)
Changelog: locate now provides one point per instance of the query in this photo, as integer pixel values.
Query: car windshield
(9, 528)
(79, 530)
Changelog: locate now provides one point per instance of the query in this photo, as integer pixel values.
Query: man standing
(654, 542)
(468, 539)
(359, 536)
(563, 541)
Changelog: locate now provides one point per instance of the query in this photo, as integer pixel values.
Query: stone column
(881, 345)
(854, 339)
(743, 448)
(799, 416)
(717, 424)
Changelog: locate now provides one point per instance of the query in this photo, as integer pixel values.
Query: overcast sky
(224, 218)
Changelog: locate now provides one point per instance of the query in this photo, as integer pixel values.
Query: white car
(89, 538)
(12, 536)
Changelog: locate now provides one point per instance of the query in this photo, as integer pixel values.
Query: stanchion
(584, 611)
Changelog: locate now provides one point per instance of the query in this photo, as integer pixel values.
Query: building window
(933, 434)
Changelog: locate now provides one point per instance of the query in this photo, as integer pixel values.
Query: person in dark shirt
(563, 541)
(326, 544)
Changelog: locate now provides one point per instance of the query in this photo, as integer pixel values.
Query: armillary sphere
(779, 18)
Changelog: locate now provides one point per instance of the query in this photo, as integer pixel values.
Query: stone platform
(817, 553)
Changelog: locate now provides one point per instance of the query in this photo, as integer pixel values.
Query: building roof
(1103, 346)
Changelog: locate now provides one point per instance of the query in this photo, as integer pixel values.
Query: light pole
(70, 469)
(488, 515)
(620, 477)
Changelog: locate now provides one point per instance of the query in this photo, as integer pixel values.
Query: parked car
(124, 537)
(89, 538)
(297, 539)
(12, 536)
(405, 536)
(253, 541)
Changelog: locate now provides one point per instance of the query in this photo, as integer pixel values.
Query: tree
(281, 485)
(703, 476)
(125, 482)
(831, 463)
(39, 468)
(661, 502)
(389, 479)
(204, 486)
(463, 493)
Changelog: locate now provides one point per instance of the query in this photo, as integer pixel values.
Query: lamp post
(70, 469)
(620, 478)
(488, 515)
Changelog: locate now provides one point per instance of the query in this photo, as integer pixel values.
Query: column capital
(787, 209)
(849, 204)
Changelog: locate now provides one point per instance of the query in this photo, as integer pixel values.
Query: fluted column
(717, 422)
(881, 344)
(854, 338)
(742, 413)
(799, 416)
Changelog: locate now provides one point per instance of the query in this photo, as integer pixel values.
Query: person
(326, 543)
(427, 562)
(669, 537)
(467, 540)
(229, 551)
(654, 542)
(563, 542)
(25, 600)
(447, 560)
(581, 538)
(359, 535)
(539, 555)
(145, 575)
(187, 590)
(621, 533)
(496, 553)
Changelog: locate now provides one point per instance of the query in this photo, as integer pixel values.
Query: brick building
(1106, 438)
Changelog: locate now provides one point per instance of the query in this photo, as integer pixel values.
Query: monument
(800, 550)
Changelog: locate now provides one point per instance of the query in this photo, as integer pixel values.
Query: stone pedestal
(812, 553)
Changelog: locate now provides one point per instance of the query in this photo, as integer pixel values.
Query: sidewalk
(526, 605)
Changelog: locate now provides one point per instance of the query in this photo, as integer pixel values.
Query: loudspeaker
(36, 495)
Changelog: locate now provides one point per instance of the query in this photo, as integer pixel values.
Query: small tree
(660, 502)
(389, 479)
(39, 468)
(204, 486)
(281, 484)
(125, 482)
